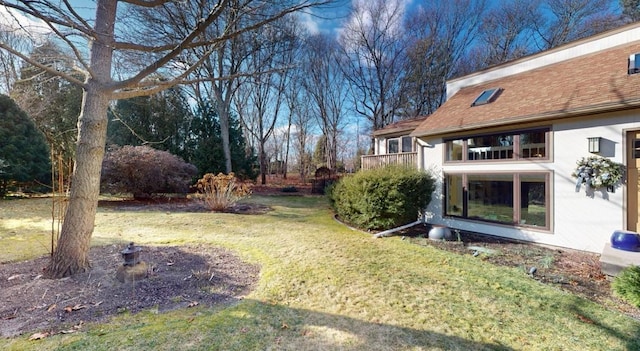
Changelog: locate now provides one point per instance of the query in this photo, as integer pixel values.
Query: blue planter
(626, 241)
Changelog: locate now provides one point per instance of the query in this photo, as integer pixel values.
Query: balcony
(378, 161)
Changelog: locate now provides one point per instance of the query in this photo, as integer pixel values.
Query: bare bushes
(144, 171)
(221, 191)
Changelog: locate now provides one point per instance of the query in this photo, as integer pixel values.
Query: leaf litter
(30, 303)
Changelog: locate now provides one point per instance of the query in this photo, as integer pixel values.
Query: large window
(517, 199)
(530, 144)
(490, 197)
(455, 150)
(533, 200)
(634, 63)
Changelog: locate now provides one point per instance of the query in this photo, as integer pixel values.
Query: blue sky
(326, 19)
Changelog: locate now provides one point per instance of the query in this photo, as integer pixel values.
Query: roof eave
(394, 132)
(580, 111)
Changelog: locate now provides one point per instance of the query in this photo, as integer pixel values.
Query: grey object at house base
(439, 232)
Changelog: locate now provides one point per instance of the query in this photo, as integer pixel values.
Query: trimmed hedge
(382, 198)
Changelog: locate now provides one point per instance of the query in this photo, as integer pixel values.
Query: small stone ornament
(132, 269)
(131, 254)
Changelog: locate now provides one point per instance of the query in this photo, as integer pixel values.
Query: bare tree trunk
(286, 148)
(263, 164)
(223, 113)
(72, 252)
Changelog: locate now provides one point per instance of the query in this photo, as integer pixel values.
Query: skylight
(634, 63)
(486, 97)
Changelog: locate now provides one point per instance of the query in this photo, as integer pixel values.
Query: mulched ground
(178, 277)
(577, 272)
(178, 204)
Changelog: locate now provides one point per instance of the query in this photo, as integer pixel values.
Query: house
(393, 145)
(506, 142)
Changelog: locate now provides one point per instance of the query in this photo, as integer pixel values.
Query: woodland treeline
(287, 97)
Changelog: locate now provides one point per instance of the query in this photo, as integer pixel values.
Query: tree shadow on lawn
(210, 276)
(302, 329)
(632, 340)
(257, 325)
(225, 323)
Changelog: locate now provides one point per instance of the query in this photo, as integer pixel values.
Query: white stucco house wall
(505, 144)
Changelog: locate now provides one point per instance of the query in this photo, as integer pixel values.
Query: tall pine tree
(205, 145)
(160, 121)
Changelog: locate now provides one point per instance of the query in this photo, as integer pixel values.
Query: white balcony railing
(377, 161)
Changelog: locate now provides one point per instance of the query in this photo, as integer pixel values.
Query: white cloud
(389, 15)
(11, 20)
(310, 22)
(282, 130)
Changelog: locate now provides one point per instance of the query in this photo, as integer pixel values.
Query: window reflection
(503, 146)
(491, 197)
(533, 144)
(519, 198)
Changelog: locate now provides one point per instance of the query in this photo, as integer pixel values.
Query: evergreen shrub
(627, 285)
(24, 153)
(382, 198)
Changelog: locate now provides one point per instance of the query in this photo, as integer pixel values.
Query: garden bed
(178, 277)
(577, 272)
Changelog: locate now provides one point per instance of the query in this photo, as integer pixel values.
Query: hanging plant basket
(597, 172)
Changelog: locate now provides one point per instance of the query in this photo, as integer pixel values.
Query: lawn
(325, 287)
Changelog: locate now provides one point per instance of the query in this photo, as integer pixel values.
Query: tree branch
(144, 141)
(75, 50)
(146, 3)
(52, 23)
(30, 10)
(200, 27)
(153, 49)
(187, 41)
(46, 68)
(146, 88)
(76, 16)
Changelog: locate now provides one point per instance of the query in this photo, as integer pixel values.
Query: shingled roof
(403, 127)
(581, 84)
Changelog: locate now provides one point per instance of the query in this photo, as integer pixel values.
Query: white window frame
(400, 141)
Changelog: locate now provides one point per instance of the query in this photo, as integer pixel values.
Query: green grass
(25, 228)
(326, 287)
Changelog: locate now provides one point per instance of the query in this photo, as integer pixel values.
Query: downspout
(421, 145)
(390, 232)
